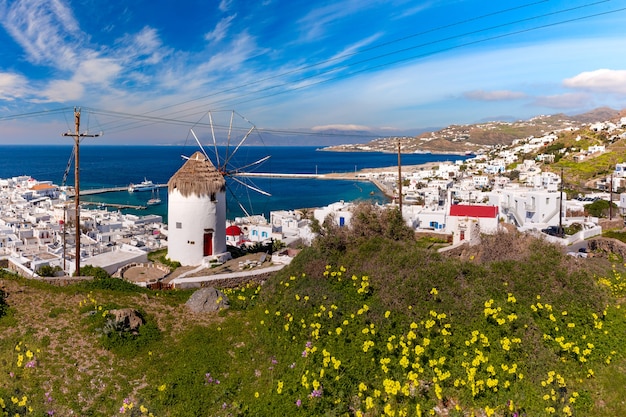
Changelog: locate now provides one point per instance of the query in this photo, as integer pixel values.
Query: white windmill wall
(189, 217)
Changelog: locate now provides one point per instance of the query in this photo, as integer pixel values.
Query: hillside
(366, 322)
(479, 137)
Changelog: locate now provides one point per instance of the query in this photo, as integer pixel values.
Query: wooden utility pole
(399, 179)
(561, 233)
(77, 135)
(611, 198)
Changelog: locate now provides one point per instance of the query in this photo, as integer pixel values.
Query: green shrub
(3, 302)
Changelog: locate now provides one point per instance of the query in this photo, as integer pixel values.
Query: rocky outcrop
(607, 245)
(127, 319)
(207, 300)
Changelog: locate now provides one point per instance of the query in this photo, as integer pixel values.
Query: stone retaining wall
(120, 272)
(609, 245)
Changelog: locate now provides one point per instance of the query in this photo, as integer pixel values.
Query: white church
(197, 213)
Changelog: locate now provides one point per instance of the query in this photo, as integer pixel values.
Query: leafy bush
(94, 271)
(114, 336)
(3, 303)
(48, 270)
(600, 208)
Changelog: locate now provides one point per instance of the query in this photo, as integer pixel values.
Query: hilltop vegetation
(368, 321)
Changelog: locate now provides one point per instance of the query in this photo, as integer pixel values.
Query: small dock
(94, 191)
(114, 205)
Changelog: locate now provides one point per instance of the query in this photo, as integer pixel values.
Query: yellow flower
(162, 387)
(256, 394)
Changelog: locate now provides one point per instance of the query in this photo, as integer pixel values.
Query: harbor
(93, 191)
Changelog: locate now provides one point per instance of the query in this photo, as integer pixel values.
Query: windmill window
(179, 225)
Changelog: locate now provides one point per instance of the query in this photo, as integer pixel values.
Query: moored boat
(144, 185)
(155, 200)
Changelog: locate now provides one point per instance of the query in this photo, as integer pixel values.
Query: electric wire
(297, 84)
(343, 56)
(410, 58)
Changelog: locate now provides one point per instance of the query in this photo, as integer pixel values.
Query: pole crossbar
(77, 135)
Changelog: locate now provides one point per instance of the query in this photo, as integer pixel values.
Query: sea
(119, 166)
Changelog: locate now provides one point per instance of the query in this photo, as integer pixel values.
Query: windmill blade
(199, 144)
(253, 188)
(241, 206)
(241, 169)
(217, 154)
(239, 145)
(230, 130)
(67, 169)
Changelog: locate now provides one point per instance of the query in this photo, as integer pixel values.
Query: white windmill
(197, 196)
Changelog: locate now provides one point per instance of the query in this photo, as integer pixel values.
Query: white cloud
(601, 80)
(47, 31)
(225, 5)
(346, 127)
(12, 86)
(220, 30)
(97, 70)
(232, 57)
(142, 48)
(62, 91)
(313, 25)
(497, 95)
(565, 101)
(415, 10)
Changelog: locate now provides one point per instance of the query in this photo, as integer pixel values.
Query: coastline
(387, 191)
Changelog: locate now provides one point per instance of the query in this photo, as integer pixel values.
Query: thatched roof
(197, 176)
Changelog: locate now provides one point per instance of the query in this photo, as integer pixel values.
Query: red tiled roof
(233, 231)
(473, 211)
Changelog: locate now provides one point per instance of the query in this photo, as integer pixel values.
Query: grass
(382, 327)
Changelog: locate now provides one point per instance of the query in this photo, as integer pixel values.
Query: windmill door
(208, 244)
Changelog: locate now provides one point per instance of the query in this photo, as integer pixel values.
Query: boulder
(207, 300)
(127, 318)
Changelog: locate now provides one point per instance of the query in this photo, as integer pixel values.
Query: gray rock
(127, 319)
(207, 300)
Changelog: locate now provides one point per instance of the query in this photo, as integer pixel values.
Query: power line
(388, 54)
(143, 120)
(134, 125)
(361, 51)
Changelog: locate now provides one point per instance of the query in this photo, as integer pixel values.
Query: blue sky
(351, 65)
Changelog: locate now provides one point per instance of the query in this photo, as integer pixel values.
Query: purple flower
(309, 344)
(298, 402)
(30, 364)
(316, 393)
(224, 405)
(305, 353)
(293, 365)
(274, 361)
(50, 412)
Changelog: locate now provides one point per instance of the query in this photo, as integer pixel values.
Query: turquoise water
(118, 166)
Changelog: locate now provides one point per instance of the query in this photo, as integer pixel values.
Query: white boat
(144, 185)
(155, 200)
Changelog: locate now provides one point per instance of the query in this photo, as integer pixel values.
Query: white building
(197, 213)
(466, 222)
(528, 207)
(340, 212)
